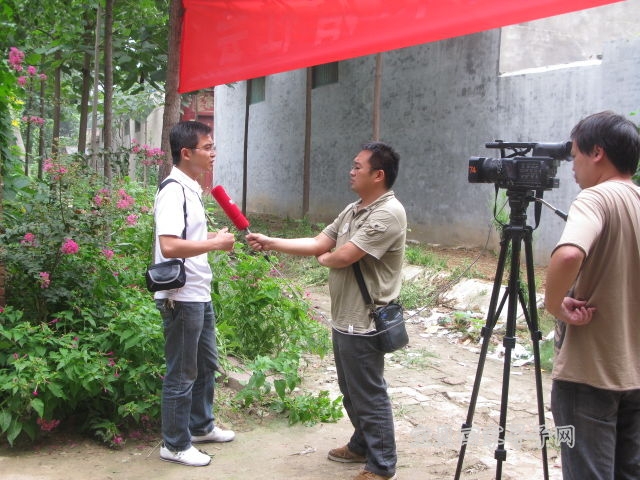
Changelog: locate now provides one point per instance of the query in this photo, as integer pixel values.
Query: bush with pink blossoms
(84, 330)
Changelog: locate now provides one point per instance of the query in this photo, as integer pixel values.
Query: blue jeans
(607, 431)
(360, 368)
(192, 359)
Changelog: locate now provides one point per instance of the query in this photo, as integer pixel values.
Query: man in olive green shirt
(371, 231)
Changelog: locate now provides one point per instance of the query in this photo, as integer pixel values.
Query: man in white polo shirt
(187, 312)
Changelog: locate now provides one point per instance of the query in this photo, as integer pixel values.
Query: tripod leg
(509, 342)
(536, 336)
(486, 333)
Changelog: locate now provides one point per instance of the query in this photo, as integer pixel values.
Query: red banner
(225, 41)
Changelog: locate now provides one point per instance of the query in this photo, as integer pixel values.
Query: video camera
(516, 171)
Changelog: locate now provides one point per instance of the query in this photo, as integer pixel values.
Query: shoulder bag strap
(184, 209)
(363, 288)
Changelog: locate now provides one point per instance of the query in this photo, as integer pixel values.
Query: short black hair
(186, 135)
(385, 158)
(615, 134)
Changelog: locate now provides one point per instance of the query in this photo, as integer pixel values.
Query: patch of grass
(546, 355)
(468, 324)
(301, 271)
(546, 321)
(467, 271)
(415, 295)
(419, 255)
(285, 227)
(418, 359)
(546, 324)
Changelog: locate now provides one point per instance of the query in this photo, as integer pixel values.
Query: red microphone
(230, 208)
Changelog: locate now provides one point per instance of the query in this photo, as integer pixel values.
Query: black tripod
(513, 235)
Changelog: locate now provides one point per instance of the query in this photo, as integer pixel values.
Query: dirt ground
(430, 383)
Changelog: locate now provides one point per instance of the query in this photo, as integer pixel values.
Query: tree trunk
(96, 82)
(171, 114)
(57, 105)
(108, 89)
(41, 145)
(84, 104)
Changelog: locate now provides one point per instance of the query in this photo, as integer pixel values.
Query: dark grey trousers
(360, 367)
(606, 429)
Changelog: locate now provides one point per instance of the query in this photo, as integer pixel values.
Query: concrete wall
(440, 103)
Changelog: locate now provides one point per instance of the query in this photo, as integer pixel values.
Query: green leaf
(14, 430)
(56, 390)
(5, 420)
(280, 387)
(38, 406)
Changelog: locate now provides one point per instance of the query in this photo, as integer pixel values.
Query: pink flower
(44, 279)
(31, 70)
(16, 57)
(43, 76)
(107, 253)
(47, 425)
(132, 219)
(54, 321)
(125, 200)
(69, 247)
(29, 240)
(54, 169)
(22, 81)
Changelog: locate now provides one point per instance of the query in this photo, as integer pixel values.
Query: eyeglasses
(356, 168)
(206, 148)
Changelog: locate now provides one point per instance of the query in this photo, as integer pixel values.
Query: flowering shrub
(80, 335)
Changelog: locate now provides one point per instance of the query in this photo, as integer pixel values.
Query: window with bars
(257, 90)
(324, 74)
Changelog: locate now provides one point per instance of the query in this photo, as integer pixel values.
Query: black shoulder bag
(389, 320)
(170, 274)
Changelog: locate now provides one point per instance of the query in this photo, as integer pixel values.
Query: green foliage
(309, 409)
(69, 243)
(258, 311)
(81, 338)
(306, 408)
(467, 323)
(417, 295)
(264, 318)
(303, 271)
(417, 255)
(9, 162)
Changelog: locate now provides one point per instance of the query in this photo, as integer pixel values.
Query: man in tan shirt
(596, 373)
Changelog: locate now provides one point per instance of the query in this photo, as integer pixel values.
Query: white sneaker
(192, 456)
(216, 435)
